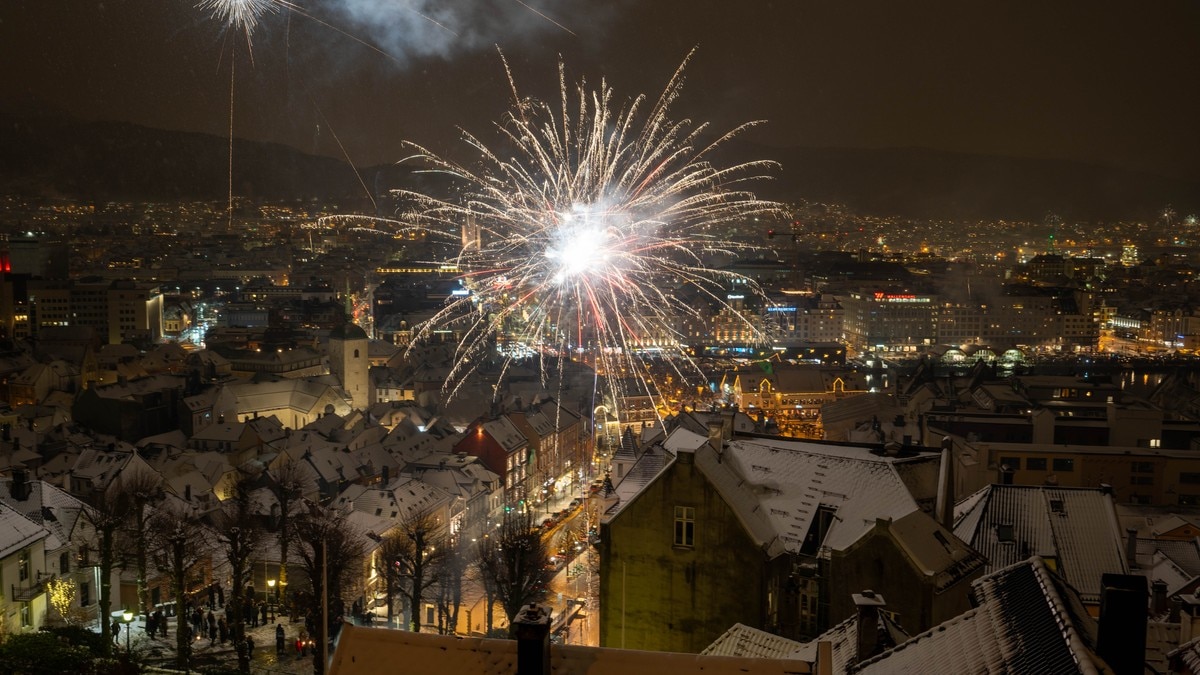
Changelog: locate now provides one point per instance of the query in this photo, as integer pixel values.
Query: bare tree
(287, 482)
(109, 511)
(419, 557)
(143, 490)
(457, 559)
(180, 541)
(239, 533)
(391, 547)
(331, 552)
(514, 562)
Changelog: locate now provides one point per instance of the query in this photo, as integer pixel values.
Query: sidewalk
(160, 651)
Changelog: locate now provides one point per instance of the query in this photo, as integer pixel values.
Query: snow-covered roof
(776, 487)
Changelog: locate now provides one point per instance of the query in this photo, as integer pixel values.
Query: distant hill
(933, 184)
(117, 161)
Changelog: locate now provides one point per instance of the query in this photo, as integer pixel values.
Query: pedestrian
(249, 646)
(262, 613)
(212, 632)
(248, 612)
(223, 630)
(162, 623)
(116, 631)
(280, 637)
(220, 594)
(302, 643)
(151, 626)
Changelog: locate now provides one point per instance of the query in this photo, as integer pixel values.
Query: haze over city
(664, 336)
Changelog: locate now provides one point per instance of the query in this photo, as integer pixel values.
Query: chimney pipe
(867, 605)
(1131, 547)
(532, 628)
(1121, 639)
(945, 494)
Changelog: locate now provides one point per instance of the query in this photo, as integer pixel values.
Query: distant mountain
(933, 184)
(117, 161)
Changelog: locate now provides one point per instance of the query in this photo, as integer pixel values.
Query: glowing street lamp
(272, 597)
(128, 617)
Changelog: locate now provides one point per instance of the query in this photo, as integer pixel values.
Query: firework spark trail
(242, 15)
(591, 219)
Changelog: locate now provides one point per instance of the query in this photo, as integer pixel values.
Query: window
(1063, 464)
(1142, 467)
(1156, 442)
(1141, 480)
(85, 594)
(23, 566)
(26, 615)
(1013, 463)
(1035, 463)
(685, 526)
(64, 562)
(1004, 533)
(1189, 478)
(1189, 500)
(1056, 506)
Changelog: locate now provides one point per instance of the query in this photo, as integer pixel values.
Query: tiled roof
(1184, 554)
(1075, 526)
(17, 531)
(1028, 622)
(743, 640)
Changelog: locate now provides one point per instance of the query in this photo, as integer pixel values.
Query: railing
(27, 593)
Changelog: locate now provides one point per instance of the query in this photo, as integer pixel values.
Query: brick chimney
(532, 628)
(867, 605)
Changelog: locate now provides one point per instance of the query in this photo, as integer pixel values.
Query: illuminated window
(685, 526)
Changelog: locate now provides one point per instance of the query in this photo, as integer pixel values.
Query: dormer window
(1004, 533)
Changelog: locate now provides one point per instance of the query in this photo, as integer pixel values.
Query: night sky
(1099, 81)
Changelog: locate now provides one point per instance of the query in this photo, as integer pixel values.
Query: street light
(128, 617)
(271, 592)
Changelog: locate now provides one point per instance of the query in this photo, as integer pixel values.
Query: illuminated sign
(880, 296)
(460, 291)
(735, 297)
(781, 309)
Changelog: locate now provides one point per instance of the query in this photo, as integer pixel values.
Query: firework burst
(241, 15)
(585, 233)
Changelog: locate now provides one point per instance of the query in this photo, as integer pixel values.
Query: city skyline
(1092, 83)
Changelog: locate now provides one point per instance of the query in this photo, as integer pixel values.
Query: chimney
(1131, 546)
(384, 478)
(532, 628)
(945, 494)
(715, 438)
(1121, 638)
(1158, 595)
(867, 605)
(19, 488)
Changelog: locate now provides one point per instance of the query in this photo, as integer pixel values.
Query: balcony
(32, 590)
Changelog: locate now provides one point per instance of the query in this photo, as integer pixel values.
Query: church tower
(348, 361)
